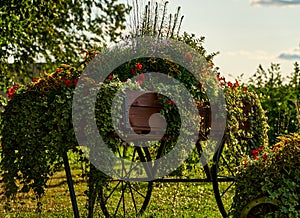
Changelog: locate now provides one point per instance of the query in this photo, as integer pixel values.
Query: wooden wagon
(118, 197)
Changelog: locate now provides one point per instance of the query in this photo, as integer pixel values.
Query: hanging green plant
(271, 175)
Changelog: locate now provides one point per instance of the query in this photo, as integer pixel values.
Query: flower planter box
(140, 106)
(141, 109)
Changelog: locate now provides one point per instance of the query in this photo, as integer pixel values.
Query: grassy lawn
(167, 200)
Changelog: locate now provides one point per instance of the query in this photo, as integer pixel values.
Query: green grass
(183, 200)
(167, 200)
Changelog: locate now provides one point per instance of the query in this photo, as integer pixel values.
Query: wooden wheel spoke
(122, 161)
(110, 194)
(118, 206)
(227, 165)
(133, 155)
(120, 200)
(119, 152)
(130, 170)
(132, 197)
(138, 192)
(227, 189)
(127, 197)
(124, 210)
(131, 167)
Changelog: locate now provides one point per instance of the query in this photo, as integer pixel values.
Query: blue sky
(245, 32)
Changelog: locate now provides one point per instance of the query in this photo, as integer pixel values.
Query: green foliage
(53, 31)
(273, 173)
(246, 118)
(37, 125)
(36, 129)
(280, 100)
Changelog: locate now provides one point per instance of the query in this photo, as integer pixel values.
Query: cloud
(293, 54)
(252, 55)
(259, 55)
(280, 3)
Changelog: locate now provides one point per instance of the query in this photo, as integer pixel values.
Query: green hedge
(272, 174)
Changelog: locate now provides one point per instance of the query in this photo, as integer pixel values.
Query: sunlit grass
(167, 200)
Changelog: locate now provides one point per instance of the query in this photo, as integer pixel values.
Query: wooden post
(70, 184)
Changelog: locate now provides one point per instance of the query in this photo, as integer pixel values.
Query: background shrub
(280, 98)
(272, 172)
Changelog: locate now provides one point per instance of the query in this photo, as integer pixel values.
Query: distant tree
(53, 31)
(295, 85)
(281, 100)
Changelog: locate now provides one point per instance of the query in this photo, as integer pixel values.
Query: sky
(245, 32)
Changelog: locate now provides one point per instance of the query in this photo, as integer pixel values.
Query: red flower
(140, 82)
(221, 80)
(58, 70)
(245, 163)
(75, 81)
(110, 77)
(189, 57)
(229, 84)
(245, 89)
(236, 83)
(133, 71)
(255, 152)
(260, 148)
(68, 83)
(139, 66)
(169, 102)
(11, 93)
(15, 87)
(142, 76)
(35, 80)
(265, 156)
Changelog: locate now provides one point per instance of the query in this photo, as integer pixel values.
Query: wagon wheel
(226, 159)
(259, 208)
(120, 198)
